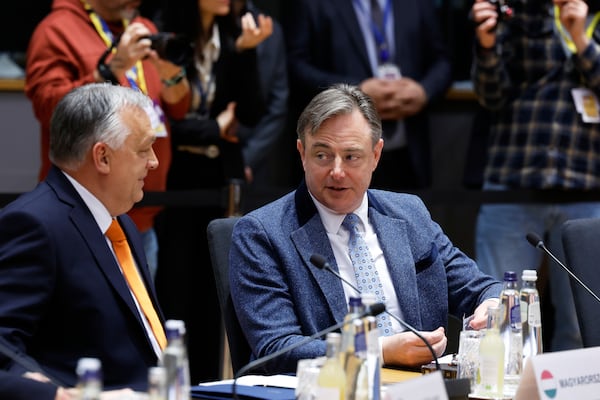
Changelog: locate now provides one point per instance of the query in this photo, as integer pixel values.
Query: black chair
(235, 349)
(580, 238)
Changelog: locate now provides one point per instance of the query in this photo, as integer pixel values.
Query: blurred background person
(226, 91)
(87, 41)
(258, 142)
(538, 73)
(394, 51)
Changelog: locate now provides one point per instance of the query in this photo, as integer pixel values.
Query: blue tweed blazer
(280, 297)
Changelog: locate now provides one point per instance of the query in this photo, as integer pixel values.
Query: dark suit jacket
(280, 297)
(62, 294)
(14, 387)
(325, 46)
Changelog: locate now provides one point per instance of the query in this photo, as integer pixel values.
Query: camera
(172, 47)
(504, 9)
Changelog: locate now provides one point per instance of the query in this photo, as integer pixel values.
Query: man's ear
(101, 154)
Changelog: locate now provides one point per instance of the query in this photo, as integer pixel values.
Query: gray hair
(90, 114)
(339, 99)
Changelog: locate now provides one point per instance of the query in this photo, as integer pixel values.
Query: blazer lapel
(311, 238)
(84, 222)
(394, 242)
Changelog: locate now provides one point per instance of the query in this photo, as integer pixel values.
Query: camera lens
(171, 47)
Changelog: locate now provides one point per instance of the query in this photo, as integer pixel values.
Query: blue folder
(224, 391)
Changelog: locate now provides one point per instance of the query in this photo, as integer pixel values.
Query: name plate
(562, 375)
(426, 387)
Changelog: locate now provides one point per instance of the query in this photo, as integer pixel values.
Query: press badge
(388, 71)
(157, 120)
(586, 104)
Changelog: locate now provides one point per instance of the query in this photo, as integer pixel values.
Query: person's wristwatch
(104, 69)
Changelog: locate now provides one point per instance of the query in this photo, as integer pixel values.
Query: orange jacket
(63, 52)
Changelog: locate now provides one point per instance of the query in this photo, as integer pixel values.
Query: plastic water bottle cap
(87, 364)
(529, 275)
(510, 276)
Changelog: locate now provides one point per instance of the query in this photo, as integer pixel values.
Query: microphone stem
(569, 272)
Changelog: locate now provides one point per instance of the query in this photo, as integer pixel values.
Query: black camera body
(172, 47)
(504, 9)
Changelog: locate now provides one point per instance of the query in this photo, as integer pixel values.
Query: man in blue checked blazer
(280, 297)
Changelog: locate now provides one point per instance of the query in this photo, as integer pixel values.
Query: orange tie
(116, 235)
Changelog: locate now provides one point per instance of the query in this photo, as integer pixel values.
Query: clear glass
(307, 372)
(468, 356)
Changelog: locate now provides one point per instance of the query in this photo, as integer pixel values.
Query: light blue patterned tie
(366, 274)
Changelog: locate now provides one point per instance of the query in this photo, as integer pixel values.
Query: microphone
(374, 310)
(536, 242)
(320, 262)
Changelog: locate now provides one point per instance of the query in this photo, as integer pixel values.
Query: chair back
(581, 243)
(219, 241)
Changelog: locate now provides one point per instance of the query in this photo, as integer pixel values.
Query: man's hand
(133, 46)
(480, 315)
(573, 15)
(406, 349)
(485, 16)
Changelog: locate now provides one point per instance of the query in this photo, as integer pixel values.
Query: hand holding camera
(486, 14)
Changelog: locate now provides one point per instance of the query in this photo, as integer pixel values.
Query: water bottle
(511, 333)
(331, 383)
(349, 359)
(373, 360)
(89, 375)
(355, 309)
(531, 316)
(157, 383)
(175, 361)
(490, 379)
(358, 368)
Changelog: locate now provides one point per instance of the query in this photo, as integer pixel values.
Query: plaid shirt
(537, 138)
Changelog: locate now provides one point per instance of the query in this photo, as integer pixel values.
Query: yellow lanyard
(589, 31)
(135, 75)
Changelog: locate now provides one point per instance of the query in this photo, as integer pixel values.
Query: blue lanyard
(379, 32)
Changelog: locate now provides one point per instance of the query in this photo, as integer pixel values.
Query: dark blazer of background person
(62, 294)
(325, 46)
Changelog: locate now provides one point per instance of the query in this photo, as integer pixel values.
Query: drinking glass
(307, 372)
(468, 356)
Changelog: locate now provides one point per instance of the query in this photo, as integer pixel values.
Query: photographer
(86, 41)
(537, 70)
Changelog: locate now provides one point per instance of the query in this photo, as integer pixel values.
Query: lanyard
(135, 76)
(379, 31)
(589, 31)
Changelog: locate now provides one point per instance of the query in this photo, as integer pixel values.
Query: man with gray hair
(280, 297)
(66, 291)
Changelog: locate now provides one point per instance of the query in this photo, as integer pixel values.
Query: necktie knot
(351, 223)
(115, 233)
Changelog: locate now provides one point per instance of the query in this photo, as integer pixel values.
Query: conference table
(391, 375)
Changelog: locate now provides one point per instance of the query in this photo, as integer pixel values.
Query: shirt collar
(98, 210)
(332, 221)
